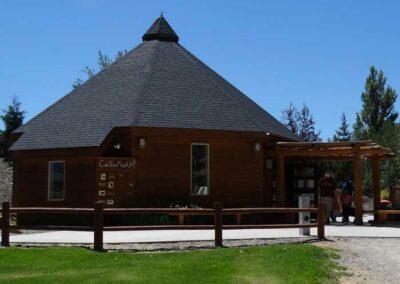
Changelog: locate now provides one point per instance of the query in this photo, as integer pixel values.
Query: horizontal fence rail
(98, 213)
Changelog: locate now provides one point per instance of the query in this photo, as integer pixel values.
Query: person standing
(326, 194)
(347, 199)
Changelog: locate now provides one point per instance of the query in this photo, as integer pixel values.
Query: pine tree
(307, 126)
(377, 121)
(342, 169)
(300, 123)
(12, 118)
(290, 118)
(377, 106)
(342, 134)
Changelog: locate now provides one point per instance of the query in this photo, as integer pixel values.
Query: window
(56, 180)
(200, 169)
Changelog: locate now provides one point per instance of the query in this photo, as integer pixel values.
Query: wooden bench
(384, 213)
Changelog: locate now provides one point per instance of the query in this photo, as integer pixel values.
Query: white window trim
(208, 169)
(48, 182)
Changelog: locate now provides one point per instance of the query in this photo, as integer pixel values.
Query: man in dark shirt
(326, 193)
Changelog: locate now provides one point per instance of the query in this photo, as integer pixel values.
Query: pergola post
(376, 188)
(280, 180)
(358, 189)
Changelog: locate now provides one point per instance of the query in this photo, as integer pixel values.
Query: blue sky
(276, 52)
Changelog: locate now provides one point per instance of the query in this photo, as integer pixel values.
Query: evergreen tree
(290, 118)
(12, 118)
(307, 126)
(377, 121)
(342, 169)
(342, 134)
(300, 123)
(377, 106)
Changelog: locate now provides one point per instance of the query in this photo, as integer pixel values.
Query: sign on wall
(115, 180)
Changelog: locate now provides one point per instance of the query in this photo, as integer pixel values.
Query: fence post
(218, 224)
(98, 226)
(321, 221)
(5, 224)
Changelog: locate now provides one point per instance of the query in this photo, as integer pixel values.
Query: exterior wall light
(117, 146)
(142, 143)
(257, 146)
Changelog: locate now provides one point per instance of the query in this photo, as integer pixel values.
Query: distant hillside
(6, 173)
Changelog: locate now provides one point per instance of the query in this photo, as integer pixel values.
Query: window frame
(191, 168)
(48, 181)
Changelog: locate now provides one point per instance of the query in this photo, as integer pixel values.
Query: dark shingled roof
(157, 84)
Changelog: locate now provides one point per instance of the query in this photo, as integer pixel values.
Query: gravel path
(369, 260)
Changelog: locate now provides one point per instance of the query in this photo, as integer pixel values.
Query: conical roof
(161, 30)
(157, 84)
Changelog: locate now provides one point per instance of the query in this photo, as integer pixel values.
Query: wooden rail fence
(99, 211)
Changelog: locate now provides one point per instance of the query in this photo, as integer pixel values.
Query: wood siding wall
(237, 174)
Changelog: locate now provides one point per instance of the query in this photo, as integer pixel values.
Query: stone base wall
(6, 176)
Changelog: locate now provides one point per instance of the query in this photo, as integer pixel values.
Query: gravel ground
(179, 246)
(368, 260)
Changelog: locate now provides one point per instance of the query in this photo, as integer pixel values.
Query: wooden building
(156, 127)
(159, 127)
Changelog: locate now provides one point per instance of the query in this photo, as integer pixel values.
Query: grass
(259, 264)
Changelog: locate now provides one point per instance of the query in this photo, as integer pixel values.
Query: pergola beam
(376, 188)
(335, 153)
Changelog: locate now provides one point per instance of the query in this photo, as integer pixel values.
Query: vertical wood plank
(181, 218)
(5, 224)
(358, 189)
(98, 226)
(280, 180)
(218, 224)
(376, 189)
(238, 218)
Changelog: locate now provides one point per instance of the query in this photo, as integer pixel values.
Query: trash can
(304, 217)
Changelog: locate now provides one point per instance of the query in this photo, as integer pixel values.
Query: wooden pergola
(344, 151)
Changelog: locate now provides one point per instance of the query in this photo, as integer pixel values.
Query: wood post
(5, 224)
(218, 224)
(181, 219)
(376, 188)
(321, 221)
(358, 189)
(98, 226)
(280, 180)
(238, 218)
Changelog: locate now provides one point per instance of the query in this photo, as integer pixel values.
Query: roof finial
(161, 30)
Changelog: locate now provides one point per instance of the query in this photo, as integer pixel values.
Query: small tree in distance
(301, 123)
(342, 169)
(103, 62)
(342, 134)
(12, 118)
